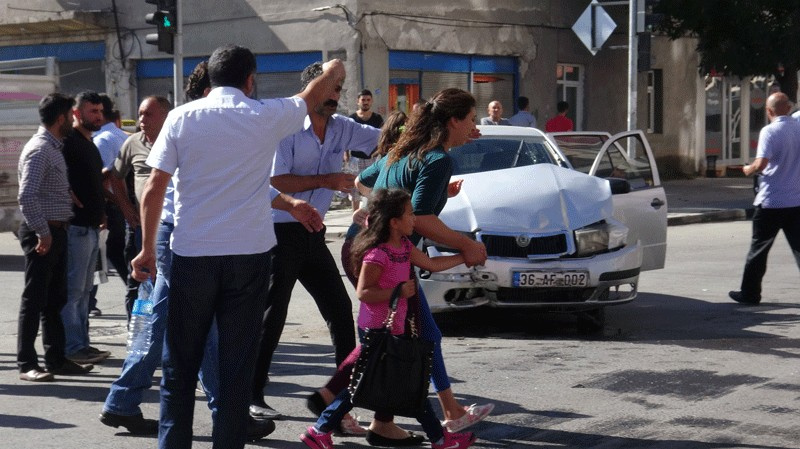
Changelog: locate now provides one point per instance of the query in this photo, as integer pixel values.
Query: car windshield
(498, 153)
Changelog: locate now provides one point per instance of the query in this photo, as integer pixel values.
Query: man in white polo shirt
(221, 148)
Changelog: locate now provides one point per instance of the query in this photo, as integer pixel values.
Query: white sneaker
(475, 413)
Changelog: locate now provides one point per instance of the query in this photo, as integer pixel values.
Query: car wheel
(591, 321)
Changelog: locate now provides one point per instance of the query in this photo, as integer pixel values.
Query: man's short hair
(108, 107)
(53, 106)
(165, 105)
(365, 93)
(562, 106)
(522, 103)
(230, 66)
(309, 74)
(88, 96)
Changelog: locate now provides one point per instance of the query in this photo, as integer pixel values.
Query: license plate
(550, 279)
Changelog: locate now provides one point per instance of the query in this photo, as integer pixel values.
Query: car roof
(503, 130)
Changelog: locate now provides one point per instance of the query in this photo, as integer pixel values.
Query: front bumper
(613, 280)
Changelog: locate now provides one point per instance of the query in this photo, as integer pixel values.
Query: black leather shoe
(260, 410)
(316, 404)
(71, 368)
(136, 424)
(412, 439)
(259, 428)
(740, 297)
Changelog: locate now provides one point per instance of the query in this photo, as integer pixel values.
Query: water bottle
(350, 167)
(140, 330)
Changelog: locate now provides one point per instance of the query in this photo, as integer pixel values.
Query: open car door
(627, 156)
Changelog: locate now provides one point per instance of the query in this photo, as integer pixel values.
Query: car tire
(591, 322)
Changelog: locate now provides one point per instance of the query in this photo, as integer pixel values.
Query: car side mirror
(619, 186)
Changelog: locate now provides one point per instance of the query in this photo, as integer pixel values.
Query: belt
(58, 224)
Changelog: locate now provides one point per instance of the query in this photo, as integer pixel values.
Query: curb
(709, 216)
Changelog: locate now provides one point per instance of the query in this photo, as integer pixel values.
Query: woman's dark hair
(427, 128)
(198, 82)
(391, 130)
(384, 204)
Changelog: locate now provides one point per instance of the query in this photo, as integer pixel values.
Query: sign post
(595, 26)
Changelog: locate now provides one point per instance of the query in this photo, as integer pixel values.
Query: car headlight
(599, 238)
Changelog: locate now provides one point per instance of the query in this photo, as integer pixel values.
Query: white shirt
(222, 147)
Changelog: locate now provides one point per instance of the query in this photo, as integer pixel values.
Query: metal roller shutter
(433, 82)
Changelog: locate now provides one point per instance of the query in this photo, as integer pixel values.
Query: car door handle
(657, 203)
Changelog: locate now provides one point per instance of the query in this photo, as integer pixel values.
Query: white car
(569, 221)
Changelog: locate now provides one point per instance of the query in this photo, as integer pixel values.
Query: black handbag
(392, 373)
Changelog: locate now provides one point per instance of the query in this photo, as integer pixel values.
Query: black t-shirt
(375, 120)
(84, 171)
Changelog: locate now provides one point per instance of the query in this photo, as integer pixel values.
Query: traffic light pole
(177, 60)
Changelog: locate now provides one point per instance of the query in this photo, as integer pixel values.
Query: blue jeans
(430, 332)
(232, 289)
(82, 250)
(137, 371)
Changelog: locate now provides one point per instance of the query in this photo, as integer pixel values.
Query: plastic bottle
(140, 329)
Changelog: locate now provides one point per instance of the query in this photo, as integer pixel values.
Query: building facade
(402, 51)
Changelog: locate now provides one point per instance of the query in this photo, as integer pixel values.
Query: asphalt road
(680, 367)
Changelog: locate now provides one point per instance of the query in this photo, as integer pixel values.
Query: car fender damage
(528, 217)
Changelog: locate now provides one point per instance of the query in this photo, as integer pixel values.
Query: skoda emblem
(523, 241)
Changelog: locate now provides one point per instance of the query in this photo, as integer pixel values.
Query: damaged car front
(549, 231)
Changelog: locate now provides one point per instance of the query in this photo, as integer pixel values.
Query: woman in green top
(420, 164)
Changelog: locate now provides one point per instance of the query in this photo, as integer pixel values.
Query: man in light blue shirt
(778, 200)
(109, 138)
(523, 117)
(308, 166)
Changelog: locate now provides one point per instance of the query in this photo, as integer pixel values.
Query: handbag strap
(393, 300)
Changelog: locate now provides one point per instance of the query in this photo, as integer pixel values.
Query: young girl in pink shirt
(384, 254)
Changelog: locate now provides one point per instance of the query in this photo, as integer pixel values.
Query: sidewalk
(699, 200)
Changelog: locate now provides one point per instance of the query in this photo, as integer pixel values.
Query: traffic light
(164, 19)
(651, 18)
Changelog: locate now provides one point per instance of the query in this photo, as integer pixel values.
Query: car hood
(542, 198)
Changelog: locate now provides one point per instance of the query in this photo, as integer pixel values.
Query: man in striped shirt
(46, 205)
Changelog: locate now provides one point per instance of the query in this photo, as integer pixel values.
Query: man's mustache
(331, 103)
